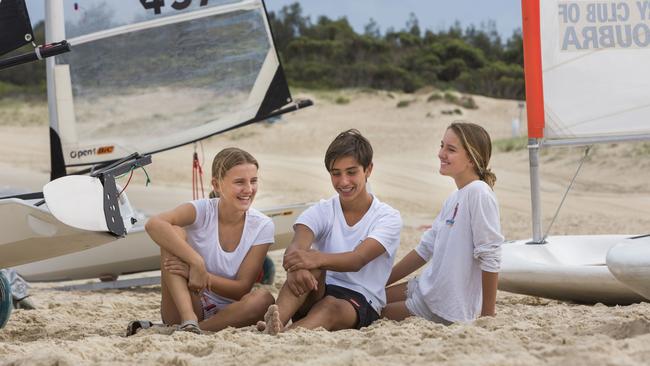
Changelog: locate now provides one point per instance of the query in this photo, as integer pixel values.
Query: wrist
(197, 261)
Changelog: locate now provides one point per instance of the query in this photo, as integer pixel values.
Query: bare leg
(178, 304)
(330, 313)
(242, 313)
(287, 304)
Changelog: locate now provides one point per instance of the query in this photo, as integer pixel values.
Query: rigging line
(127, 183)
(610, 114)
(202, 153)
(563, 63)
(557, 212)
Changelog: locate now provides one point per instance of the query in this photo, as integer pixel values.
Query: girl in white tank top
(212, 251)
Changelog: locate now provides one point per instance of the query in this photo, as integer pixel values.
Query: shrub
(435, 96)
(510, 144)
(341, 100)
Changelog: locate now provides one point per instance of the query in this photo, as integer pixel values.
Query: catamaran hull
(569, 268)
(135, 253)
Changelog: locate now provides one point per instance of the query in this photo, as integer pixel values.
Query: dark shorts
(366, 314)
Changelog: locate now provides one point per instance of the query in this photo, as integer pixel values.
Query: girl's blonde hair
(476, 141)
(225, 160)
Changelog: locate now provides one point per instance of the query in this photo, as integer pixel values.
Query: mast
(534, 103)
(54, 32)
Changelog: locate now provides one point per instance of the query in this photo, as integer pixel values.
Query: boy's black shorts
(366, 314)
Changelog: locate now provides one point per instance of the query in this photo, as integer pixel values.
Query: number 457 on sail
(156, 5)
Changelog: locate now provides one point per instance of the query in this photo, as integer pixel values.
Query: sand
(611, 195)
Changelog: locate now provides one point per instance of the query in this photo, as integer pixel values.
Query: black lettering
(153, 4)
(180, 5)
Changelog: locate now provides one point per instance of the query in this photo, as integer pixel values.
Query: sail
(595, 58)
(15, 27)
(146, 76)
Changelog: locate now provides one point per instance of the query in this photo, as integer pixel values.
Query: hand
(176, 266)
(301, 282)
(198, 278)
(301, 259)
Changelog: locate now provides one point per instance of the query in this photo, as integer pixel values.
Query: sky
(432, 14)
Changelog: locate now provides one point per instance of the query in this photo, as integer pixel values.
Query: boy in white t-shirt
(342, 250)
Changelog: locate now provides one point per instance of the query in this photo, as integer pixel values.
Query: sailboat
(586, 83)
(143, 77)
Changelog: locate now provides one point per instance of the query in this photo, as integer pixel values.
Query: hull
(569, 268)
(135, 253)
(31, 233)
(629, 262)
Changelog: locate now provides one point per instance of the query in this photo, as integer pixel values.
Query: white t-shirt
(203, 236)
(333, 235)
(464, 239)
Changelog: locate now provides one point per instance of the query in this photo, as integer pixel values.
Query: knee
(258, 301)
(332, 305)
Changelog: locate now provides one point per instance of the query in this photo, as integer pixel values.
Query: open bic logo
(78, 154)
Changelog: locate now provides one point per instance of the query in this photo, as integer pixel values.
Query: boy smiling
(342, 250)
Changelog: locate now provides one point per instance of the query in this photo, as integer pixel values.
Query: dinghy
(144, 76)
(580, 90)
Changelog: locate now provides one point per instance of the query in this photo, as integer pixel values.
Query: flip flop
(136, 325)
(191, 326)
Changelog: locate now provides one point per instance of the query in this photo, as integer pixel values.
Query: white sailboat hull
(135, 253)
(570, 268)
(629, 262)
(31, 233)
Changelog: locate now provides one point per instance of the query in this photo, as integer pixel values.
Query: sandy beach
(611, 195)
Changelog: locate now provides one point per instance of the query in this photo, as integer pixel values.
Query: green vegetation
(27, 80)
(641, 149)
(510, 144)
(329, 54)
(341, 100)
(450, 97)
(434, 97)
(403, 103)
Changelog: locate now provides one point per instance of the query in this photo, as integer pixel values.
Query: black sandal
(136, 325)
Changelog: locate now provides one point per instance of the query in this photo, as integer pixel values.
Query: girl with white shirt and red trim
(463, 246)
(212, 251)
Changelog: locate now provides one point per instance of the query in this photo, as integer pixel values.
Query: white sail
(595, 58)
(146, 76)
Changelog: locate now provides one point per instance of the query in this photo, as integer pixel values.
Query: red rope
(127, 183)
(197, 175)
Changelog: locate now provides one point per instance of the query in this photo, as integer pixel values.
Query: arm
(246, 275)
(411, 262)
(489, 282)
(351, 261)
(161, 230)
(300, 281)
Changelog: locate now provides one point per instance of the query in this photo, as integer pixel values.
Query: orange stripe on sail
(533, 67)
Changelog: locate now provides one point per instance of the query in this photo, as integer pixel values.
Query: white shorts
(416, 305)
(212, 303)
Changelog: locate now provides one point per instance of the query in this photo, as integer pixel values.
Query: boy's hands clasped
(301, 282)
(298, 264)
(301, 259)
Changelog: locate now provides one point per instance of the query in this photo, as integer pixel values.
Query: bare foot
(272, 320)
(261, 326)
